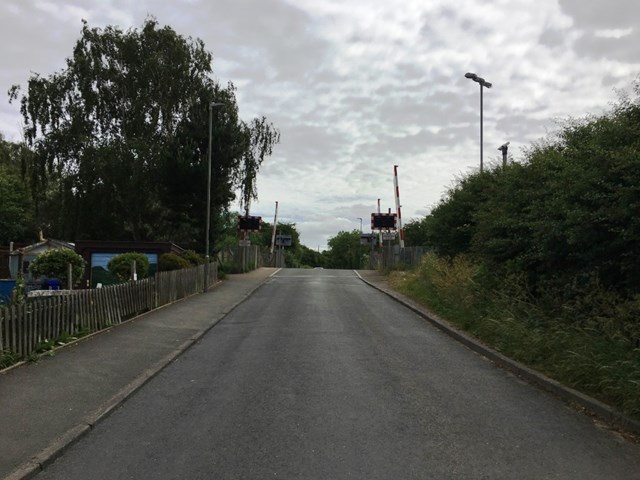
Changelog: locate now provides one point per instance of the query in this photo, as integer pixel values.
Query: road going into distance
(319, 376)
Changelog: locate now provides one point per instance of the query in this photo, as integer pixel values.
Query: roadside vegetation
(541, 259)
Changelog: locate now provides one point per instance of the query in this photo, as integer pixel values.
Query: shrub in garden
(120, 265)
(192, 257)
(54, 263)
(171, 261)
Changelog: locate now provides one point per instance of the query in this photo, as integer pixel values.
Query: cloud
(358, 86)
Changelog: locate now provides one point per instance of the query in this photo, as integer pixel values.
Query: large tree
(122, 134)
(17, 222)
(345, 250)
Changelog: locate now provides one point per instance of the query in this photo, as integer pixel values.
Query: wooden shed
(98, 253)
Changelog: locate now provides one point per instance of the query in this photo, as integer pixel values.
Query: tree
(54, 263)
(345, 250)
(17, 223)
(122, 135)
(311, 258)
(451, 224)
(415, 232)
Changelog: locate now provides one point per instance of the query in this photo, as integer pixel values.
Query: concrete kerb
(47, 456)
(609, 415)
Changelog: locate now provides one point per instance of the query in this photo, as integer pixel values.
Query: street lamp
(503, 148)
(483, 83)
(208, 221)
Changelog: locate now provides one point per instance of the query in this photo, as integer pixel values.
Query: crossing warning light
(384, 221)
(249, 223)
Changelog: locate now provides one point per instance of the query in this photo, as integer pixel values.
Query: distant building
(98, 253)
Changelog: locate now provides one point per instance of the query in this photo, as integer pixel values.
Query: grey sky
(356, 86)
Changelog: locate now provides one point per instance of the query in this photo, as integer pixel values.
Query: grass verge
(599, 362)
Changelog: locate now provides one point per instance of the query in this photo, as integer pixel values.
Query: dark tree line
(119, 139)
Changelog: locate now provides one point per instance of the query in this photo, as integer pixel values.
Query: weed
(8, 358)
(45, 346)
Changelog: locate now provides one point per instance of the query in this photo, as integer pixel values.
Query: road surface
(319, 376)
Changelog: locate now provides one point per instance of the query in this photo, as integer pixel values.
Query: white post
(379, 231)
(273, 235)
(395, 183)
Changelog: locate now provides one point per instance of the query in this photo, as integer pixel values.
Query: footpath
(48, 405)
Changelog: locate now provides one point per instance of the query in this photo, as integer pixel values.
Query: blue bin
(6, 287)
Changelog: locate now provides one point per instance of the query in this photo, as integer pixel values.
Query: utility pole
(273, 235)
(397, 192)
(503, 148)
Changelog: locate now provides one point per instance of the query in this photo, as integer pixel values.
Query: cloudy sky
(356, 86)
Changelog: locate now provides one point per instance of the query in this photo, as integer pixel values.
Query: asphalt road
(319, 376)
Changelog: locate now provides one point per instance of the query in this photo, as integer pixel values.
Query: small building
(20, 258)
(98, 253)
(5, 251)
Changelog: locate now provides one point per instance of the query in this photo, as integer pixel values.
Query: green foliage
(311, 258)
(591, 345)
(171, 261)
(19, 293)
(345, 251)
(194, 259)
(121, 265)
(451, 225)
(124, 130)
(8, 358)
(564, 216)
(17, 223)
(54, 263)
(416, 233)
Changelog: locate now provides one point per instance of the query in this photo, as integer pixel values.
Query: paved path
(319, 376)
(47, 405)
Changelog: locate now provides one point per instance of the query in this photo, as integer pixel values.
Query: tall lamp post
(212, 105)
(483, 83)
(504, 148)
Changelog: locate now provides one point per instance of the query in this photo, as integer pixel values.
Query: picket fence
(24, 328)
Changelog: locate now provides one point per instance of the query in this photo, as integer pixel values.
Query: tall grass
(590, 342)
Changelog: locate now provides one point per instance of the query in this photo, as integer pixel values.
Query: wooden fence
(24, 328)
(395, 257)
(241, 259)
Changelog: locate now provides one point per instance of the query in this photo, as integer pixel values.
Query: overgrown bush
(563, 216)
(192, 257)
(121, 265)
(54, 263)
(171, 261)
(591, 343)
